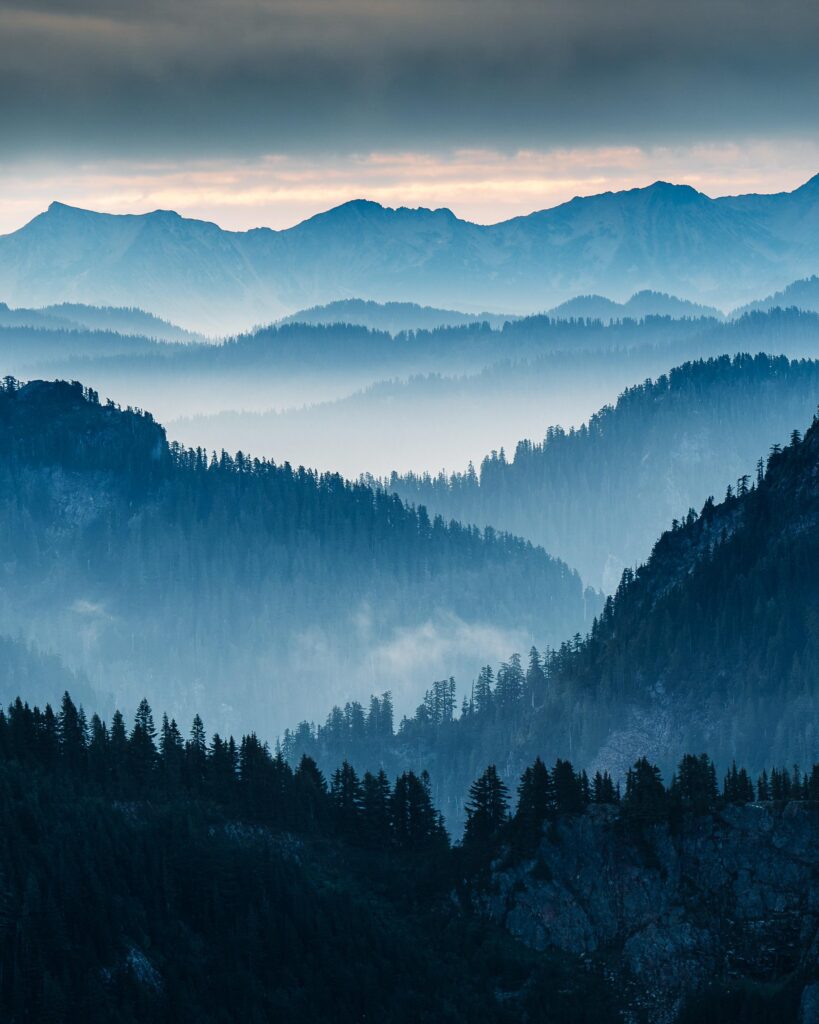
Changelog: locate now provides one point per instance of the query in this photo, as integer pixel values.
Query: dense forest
(151, 876)
(252, 590)
(600, 495)
(712, 644)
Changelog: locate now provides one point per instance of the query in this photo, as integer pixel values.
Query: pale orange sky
(480, 185)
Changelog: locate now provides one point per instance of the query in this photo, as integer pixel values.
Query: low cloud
(246, 77)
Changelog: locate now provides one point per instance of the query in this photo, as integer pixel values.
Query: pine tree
(763, 789)
(568, 787)
(141, 746)
(346, 797)
(375, 809)
(603, 789)
(645, 799)
(171, 752)
(486, 809)
(536, 802)
(694, 787)
(196, 753)
(71, 734)
(310, 794)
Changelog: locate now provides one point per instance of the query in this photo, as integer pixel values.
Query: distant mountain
(76, 317)
(393, 317)
(665, 238)
(600, 495)
(253, 590)
(120, 320)
(802, 294)
(641, 304)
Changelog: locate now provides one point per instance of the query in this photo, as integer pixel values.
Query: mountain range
(664, 237)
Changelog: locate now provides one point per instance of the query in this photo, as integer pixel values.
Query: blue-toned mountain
(666, 238)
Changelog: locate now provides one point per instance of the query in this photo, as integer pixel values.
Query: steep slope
(716, 637)
(666, 238)
(712, 645)
(599, 496)
(682, 913)
(257, 591)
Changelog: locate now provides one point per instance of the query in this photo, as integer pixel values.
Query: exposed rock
(720, 897)
(809, 1007)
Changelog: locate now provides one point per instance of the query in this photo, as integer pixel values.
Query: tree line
(138, 762)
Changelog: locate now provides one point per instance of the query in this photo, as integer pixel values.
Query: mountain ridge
(662, 237)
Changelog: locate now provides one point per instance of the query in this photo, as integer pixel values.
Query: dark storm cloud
(250, 76)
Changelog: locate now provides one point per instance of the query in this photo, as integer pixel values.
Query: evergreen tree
(694, 787)
(536, 803)
(570, 797)
(141, 745)
(645, 798)
(486, 809)
(346, 797)
(71, 733)
(376, 796)
(171, 752)
(603, 789)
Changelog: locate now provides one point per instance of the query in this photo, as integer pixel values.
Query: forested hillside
(712, 644)
(599, 496)
(151, 878)
(256, 591)
(154, 876)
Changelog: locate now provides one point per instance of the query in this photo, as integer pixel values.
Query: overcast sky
(263, 111)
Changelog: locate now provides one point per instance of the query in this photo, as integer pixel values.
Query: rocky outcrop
(670, 908)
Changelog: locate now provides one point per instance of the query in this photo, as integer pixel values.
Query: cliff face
(668, 910)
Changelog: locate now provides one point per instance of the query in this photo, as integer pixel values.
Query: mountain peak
(62, 208)
(670, 190)
(65, 209)
(356, 206)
